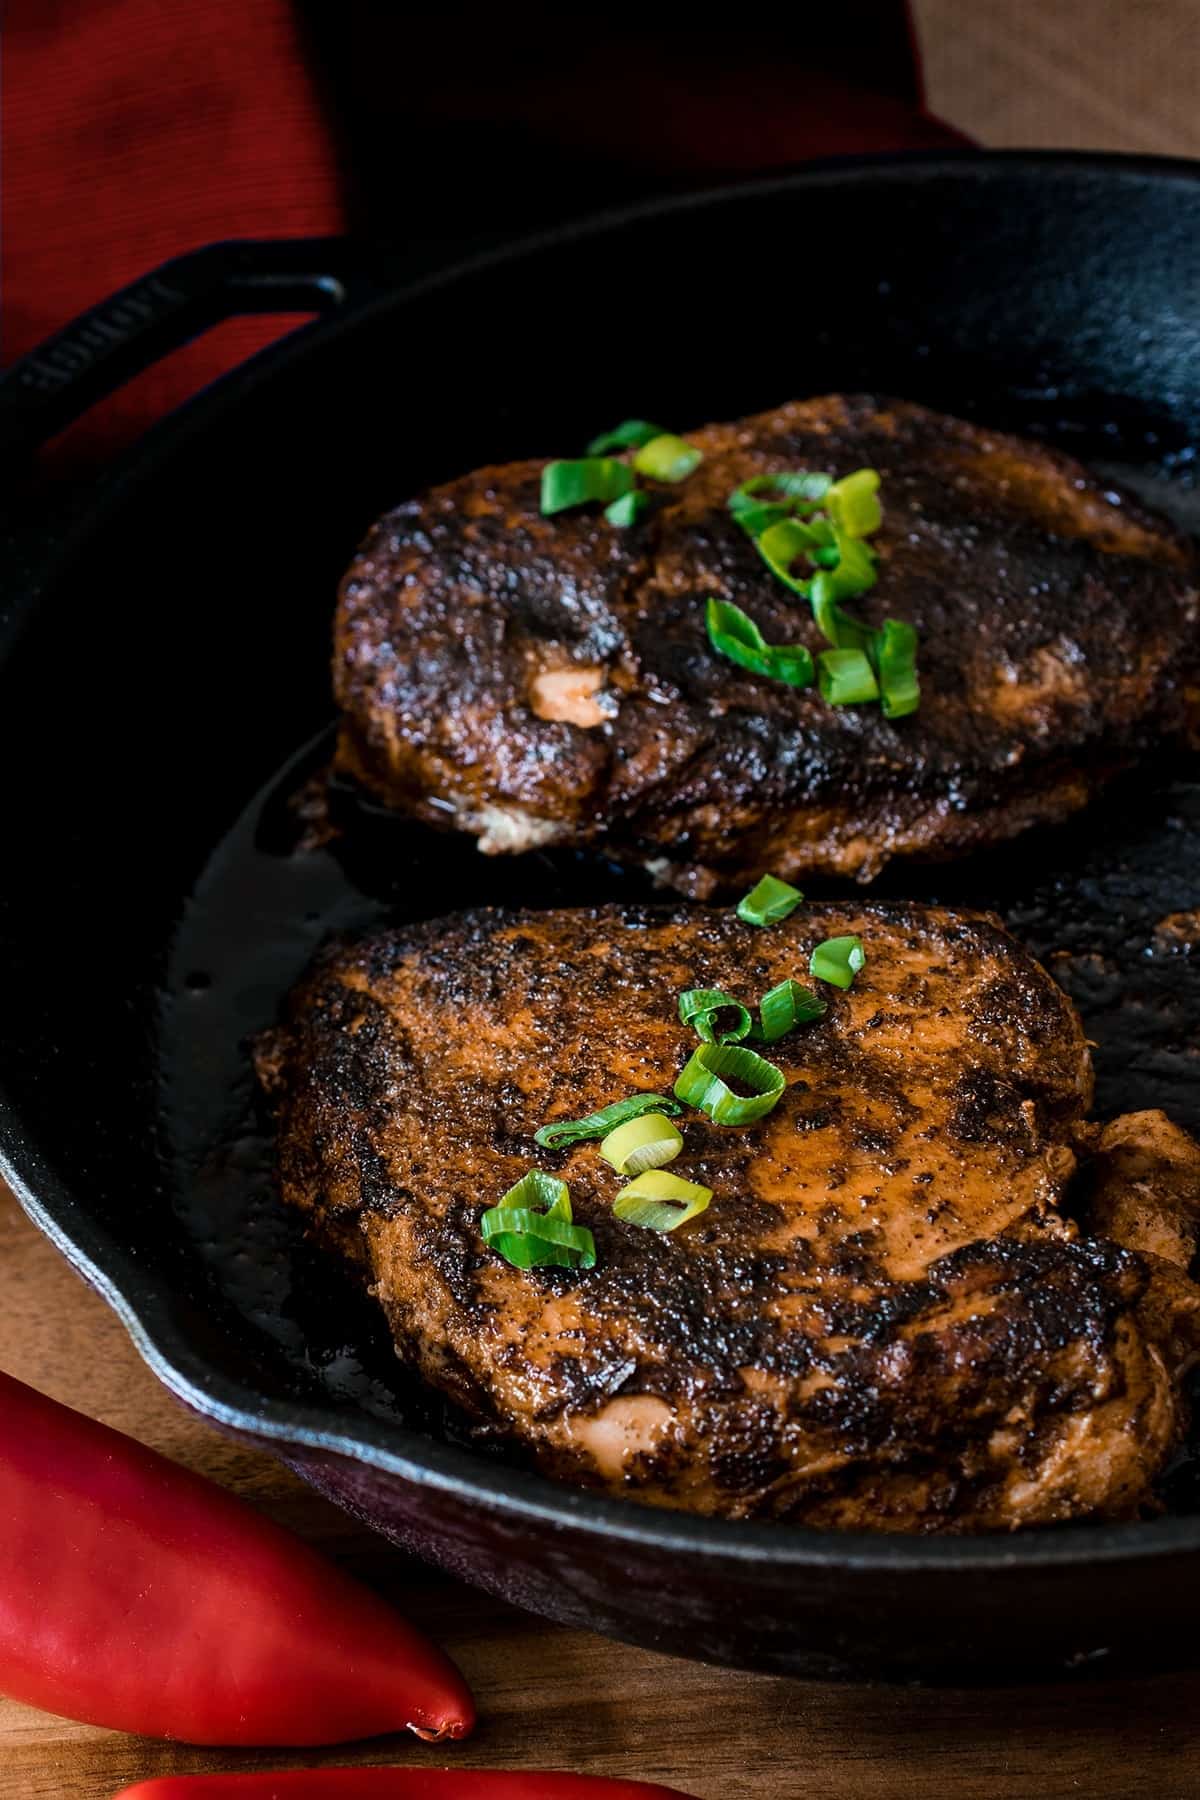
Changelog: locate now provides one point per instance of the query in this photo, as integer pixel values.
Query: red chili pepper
(397, 1784)
(138, 1596)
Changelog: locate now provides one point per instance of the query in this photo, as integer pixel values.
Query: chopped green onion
(764, 499)
(630, 434)
(755, 517)
(532, 1227)
(733, 633)
(667, 458)
(599, 1124)
(838, 960)
(628, 509)
(660, 1202)
(845, 677)
(639, 1144)
(701, 1008)
(834, 623)
(702, 1083)
(854, 571)
(768, 901)
(896, 660)
(825, 553)
(838, 517)
(589, 478)
(795, 484)
(786, 1005)
(534, 1240)
(779, 546)
(853, 503)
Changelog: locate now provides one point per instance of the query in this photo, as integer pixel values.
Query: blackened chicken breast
(550, 680)
(926, 1295)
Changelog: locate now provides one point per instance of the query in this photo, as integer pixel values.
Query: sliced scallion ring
(765, 499)
(599, 1124)
(703, 1083)
(630, 434)
(768, 901)
(783, 1007)
(780, 545)
(733, 633)
(628, 508)
(838, 960)
(639, 1144)
(660, 1202)
(701, 1008)
(566, 484)
(532, 1226)
(853, 503)
(895, 650)
(667, 458)
(854, 571)
(833, 621)
(846, 678)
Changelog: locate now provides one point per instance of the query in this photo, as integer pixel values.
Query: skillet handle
(140, 324)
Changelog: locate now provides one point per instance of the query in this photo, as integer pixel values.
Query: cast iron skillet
(164, 690)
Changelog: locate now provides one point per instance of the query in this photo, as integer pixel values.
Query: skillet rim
(147, 1315)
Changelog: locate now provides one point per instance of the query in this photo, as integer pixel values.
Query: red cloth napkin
(136, 129)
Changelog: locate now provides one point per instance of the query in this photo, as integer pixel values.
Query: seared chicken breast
(542, 681)
(926, 1295)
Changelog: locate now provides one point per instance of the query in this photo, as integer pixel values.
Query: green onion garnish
(733, 633)
(845, 677)
(589, 478)
(786, 485)
(660, 1202)
(630, 434)
(895, 650)
(628, 509)
(768, 901)
(702, 1083)
(757, 515)
(779, 546)
(838, 960)
(800, 516)
(639, 1144)
(786, 1005)
(835, 624)
(766, 499)
(854, 570)
(599, 1124)
(701, 1008)
(853, 503)
(830, 539)
(667, 458)
(532, 1228)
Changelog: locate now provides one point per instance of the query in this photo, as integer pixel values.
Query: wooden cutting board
(555, 1698)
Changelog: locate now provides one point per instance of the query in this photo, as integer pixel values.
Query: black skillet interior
(163, 701)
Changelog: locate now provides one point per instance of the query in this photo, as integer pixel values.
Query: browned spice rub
(888, 1318)
(539, 681)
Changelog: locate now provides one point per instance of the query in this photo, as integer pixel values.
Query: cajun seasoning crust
(550, 680)
(882, 1320)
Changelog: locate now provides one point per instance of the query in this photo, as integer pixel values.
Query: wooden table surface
(1101, 73)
